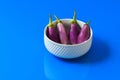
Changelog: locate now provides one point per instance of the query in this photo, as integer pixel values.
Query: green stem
(50, 21)
(74, 17)
(58, 20)
(88, 23)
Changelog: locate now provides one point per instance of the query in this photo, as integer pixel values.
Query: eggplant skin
(84, 34)
(52, 34)
(62, 33)
(73, 33)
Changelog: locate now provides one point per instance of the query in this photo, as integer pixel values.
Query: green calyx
(88, 23)
(50, 21)
(74, 18)
(57, 19)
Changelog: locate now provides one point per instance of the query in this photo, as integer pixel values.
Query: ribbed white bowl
(67, 51)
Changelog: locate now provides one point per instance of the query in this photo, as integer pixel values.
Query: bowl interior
(66, 23)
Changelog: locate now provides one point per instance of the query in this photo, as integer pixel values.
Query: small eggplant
(74, 30)
(62, 31)
(51, 31)
(84, 34)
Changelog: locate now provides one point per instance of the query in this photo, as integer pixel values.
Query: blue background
(23, 55)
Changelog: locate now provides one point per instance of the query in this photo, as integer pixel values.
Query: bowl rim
(68, 19)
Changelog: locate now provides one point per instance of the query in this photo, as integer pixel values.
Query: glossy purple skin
(52, 34)
(73, 33)
(62, 33)
(84, 34)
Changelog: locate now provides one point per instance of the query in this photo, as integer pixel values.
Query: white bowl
(67, 51)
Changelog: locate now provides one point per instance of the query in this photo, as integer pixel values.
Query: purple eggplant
(62, 31)
(74, 30)
(84, 34)
(51, 31)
